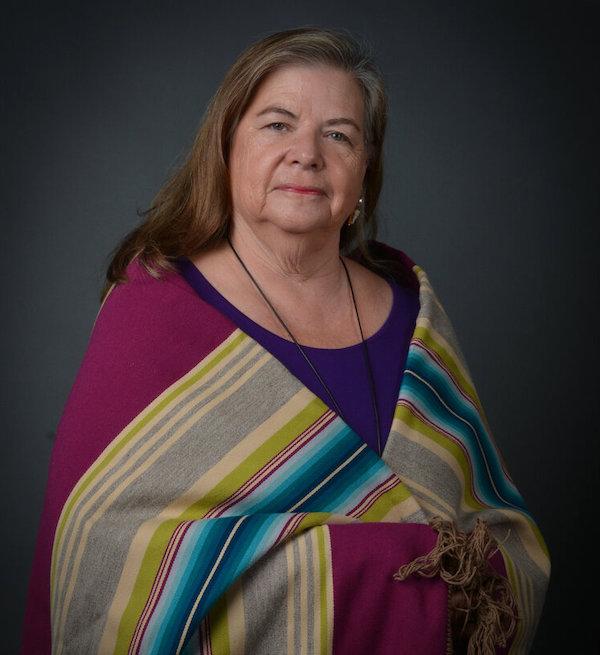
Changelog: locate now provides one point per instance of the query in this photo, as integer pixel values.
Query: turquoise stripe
(492, 486)
(332, 496)
(373, 474)
(259, 529)
(254, 537)
(257, 534)
(260, 541)
(317, 470)
(202, 537)
(265, 513)
(294, 471)
(284, 488)
(484, 479)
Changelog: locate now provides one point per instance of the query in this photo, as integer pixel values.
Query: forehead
(324, 87)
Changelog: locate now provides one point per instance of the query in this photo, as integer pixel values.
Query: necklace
(365, 348)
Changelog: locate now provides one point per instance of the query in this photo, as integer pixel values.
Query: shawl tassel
(475, 588)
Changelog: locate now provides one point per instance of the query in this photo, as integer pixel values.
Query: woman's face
(303, 128)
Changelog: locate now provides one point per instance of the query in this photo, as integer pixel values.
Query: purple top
(343, 369)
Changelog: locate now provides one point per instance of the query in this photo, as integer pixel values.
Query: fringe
(449, 637)
(461, 560)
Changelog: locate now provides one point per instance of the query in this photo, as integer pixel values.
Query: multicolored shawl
(201, 499)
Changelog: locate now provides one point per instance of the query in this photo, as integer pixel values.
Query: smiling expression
(298, 156)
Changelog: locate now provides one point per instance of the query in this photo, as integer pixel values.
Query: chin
(298, 222)
(295, 225)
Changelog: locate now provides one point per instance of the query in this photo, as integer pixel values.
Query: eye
(342, 135)
(275, 126)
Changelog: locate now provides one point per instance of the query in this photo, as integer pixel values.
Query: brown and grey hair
(192, 211)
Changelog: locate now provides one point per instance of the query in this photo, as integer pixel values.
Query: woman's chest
(320, 322)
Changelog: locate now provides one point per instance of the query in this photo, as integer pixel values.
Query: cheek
(251, 177)
(349, 175)
(241, 171)
(251, 165)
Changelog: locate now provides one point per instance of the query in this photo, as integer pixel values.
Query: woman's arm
(446, 454)
(144, 338)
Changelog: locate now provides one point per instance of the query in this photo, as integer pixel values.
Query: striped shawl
(201, 499)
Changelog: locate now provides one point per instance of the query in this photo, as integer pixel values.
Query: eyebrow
(275, 109)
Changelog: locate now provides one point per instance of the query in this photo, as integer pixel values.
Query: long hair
(192, 211)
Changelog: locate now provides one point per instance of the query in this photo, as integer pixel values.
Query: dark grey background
(491, 186)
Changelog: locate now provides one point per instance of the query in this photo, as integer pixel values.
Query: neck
(296, 266)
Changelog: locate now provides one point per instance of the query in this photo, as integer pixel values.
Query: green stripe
(390, 499)
(218, 622)
(323, 586)
(257, 459)
(449, 360)
(224, 489)
(406, 416)
(107, 457)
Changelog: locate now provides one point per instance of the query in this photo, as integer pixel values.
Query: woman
(273, 444)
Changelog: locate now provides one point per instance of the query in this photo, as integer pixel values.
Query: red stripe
(369, 500)
(447, 434)
(273, 465)
(160, 579)
(289, 527)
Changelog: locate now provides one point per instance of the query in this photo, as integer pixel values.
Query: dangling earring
(357, 212)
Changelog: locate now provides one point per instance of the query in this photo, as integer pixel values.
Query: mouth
(306, 190)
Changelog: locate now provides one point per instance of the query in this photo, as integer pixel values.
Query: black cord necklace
(365, 348)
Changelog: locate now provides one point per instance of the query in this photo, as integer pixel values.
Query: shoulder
(148, 334)
(370, 285)
(391, 262)
(148, 311)
(145, 292)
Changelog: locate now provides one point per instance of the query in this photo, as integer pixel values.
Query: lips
(309, 190)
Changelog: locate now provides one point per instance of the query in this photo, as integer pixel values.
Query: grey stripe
(312, 593)
(194, 406)
(265, 603)
(196, 452)
(418, 463)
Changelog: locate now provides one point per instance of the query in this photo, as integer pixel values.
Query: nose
(305, 150)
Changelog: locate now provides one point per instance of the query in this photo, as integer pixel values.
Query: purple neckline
(192, 268)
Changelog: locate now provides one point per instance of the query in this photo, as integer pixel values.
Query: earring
(357, 212)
